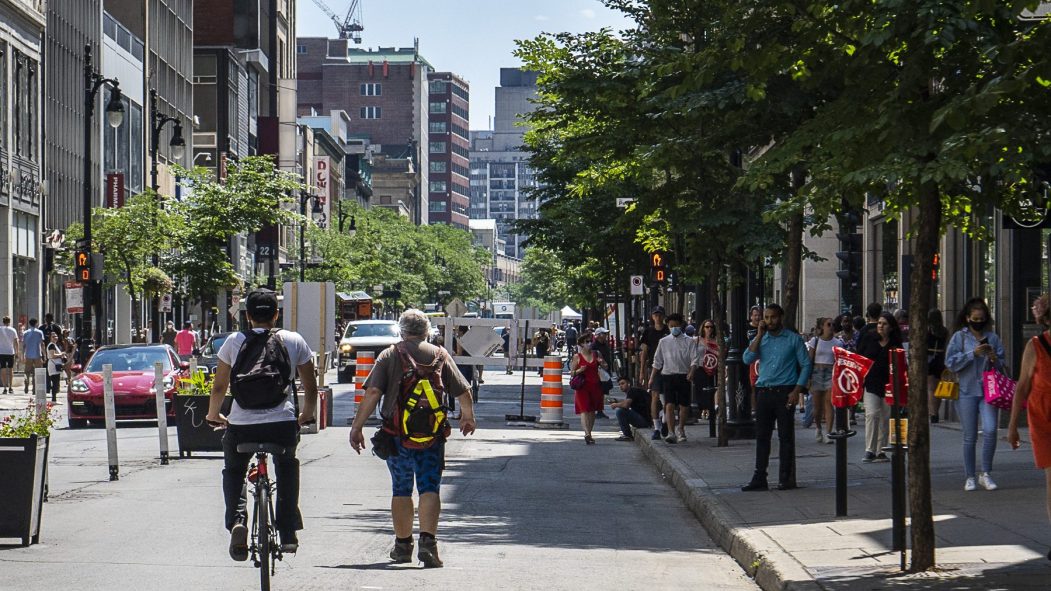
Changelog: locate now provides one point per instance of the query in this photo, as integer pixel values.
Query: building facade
(448, 148)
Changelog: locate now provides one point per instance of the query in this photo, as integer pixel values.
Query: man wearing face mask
(677, 357)
(784, 369)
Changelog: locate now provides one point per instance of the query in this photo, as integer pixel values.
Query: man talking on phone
(784, 370)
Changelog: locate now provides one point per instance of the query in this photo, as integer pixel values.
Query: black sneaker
(239, 542)
(625, 438)
(289, 542)
(664, 430)
(882, 457)
(869, 457)
(754, 486)
(656, 435)
(428, 553)
(402, 552)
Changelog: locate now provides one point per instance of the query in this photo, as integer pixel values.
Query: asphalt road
(524, 508)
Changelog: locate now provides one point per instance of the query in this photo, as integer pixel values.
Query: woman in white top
(823, 358)
(54, 365)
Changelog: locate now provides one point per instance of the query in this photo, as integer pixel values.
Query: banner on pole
(848, 377)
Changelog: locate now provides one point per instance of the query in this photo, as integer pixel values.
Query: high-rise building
(386, 93)
(448, 150)
(501, 178)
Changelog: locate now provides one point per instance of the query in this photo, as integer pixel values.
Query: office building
(448, 150)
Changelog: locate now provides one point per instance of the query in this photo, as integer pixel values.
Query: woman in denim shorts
(821, 355)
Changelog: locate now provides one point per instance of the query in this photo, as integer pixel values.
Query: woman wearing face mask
(972, 350)
(588, 398)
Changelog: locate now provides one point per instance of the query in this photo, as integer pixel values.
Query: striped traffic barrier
(551, 393)
(362, 367)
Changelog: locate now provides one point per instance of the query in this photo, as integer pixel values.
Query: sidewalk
(792, 539)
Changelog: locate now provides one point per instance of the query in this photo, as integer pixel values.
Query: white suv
(364, 335)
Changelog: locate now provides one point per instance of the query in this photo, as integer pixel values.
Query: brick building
(449, 149)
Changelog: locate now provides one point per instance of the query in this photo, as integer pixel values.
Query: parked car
(209, 357)
(364, 335)
(133, 375)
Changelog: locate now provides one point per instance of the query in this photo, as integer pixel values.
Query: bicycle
(263, 543)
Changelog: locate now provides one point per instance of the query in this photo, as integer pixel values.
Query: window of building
(437, 147)
(26, 107)
(439, 187)
(438, 206)
(123, 146)
(371, 112)
(460, 111)
(439, 166)
(301, 48)
(438, 107)
(438, 127)
(437, 86)
(371, 89)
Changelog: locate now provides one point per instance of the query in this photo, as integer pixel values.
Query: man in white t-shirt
(8, 352)
(278, 425)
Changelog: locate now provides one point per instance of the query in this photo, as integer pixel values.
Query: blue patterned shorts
(425, 465)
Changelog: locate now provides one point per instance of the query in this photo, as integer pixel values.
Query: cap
(658, 310)
(261, 303)
(601, 331)
(691, 330)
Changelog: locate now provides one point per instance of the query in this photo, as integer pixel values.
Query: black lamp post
(178, 148)
(93, 82)
(303, 198)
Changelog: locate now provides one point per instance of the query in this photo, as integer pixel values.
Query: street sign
(74, 298)
(456, 308)
(623, 202)
(377, 288)
(115, 190)
(166, 303)
(637, 287)
(1038, 14)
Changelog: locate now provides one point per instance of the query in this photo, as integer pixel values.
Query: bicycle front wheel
(262, 511)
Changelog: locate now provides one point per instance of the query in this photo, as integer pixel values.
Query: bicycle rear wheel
(262, 511)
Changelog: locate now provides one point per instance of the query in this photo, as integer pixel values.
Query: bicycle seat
(254, 448)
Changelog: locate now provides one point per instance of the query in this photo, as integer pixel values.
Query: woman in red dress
(1034, 390)
(588, 398)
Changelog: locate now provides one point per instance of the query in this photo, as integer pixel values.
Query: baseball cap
(261, 303)
(602, 331)
(658, 310)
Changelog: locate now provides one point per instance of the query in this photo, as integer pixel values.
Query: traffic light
(936, 266)
(850, 256)
(659, 266)
(82, 266)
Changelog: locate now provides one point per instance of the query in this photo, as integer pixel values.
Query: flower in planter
(197, 384)
(29, 422)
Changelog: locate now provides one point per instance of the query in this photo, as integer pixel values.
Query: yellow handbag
(948, 387)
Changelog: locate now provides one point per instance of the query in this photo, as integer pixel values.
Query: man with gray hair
(411, 378)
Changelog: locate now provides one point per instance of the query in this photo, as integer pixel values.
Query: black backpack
(259, 378)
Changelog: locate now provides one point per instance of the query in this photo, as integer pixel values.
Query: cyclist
(278, 425)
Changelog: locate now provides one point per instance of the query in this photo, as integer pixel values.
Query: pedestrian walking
(601, 345)
(541, 345)
(633, 411)
(587, 393)
(821, 355)
(749, 371)
(50, 327)
(55, 362)
(783, 371)
(186, 340)
(9, 343)
(704, 382)
(70, 348)
(259, 366)
(32, 353)
(676, 360)
(169, 334)
(1034, 394)
(846, 332)
(877, 345)
(648, 343)
(415, 429)
(972, 350)
(937, 339)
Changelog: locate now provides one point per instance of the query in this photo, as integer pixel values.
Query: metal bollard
(162, 410)
(551, 406)
(111, 421)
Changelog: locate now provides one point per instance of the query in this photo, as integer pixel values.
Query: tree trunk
(927, 234)
(715, 288)
(793, 257)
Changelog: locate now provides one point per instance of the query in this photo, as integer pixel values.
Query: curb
(769, 565)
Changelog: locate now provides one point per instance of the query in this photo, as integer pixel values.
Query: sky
(472, 38)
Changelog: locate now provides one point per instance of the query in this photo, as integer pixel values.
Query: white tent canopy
(568, 313)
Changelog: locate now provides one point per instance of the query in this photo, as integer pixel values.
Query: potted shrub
(24, 441)
(191, 408)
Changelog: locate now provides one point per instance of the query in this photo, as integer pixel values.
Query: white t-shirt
(298, 353)
(824, 354)
(8, 339)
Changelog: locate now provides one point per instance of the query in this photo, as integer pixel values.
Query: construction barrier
(551, 392)
(362, 368)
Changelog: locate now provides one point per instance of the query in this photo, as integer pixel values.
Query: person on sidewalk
(1034, 390)
(601, 345)
(972, 350)
(587, 399)
(169, 334)
(783, 371)
(633, 411)
(678, 356)
(55, 362)
(9, 342)
(821, 355)
(648, 343)
(704, 381)
(255, 420)
(877, 347)
(937, 337)
(390, 385)
(186, 340)
(32, 353)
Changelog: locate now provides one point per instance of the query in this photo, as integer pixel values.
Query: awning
(568, 312)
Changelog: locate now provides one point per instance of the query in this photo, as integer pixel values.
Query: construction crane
(349, 27)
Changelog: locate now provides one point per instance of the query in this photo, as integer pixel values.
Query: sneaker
(664, 429)
(625, 438)
(671, 439)
(239, 542)
(754, 486)
(681, 435)
(402, 552)
(829, 439)
(289, 542)
(970, 485)
(882, 457)
(869, 457)
(987, 481)
(656, 435)
(428, 553)
(820, 436)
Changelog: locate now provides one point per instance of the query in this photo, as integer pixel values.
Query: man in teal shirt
(784, 369)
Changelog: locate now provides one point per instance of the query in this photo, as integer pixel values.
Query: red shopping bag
(848, 377)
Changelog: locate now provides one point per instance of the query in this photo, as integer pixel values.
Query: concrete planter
(23, 464)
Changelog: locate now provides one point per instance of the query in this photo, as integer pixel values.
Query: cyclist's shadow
(386, 565)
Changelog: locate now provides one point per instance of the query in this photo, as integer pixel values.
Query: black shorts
(676, 390)
(658, 383)
(7, 361)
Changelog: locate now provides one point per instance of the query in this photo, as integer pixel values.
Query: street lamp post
(303, 198)
(178, 147)
(93, 82)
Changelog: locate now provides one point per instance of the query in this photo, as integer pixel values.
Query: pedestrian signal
(82, 266)
(659, 266)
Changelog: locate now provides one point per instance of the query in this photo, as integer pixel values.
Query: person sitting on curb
(633, 411)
